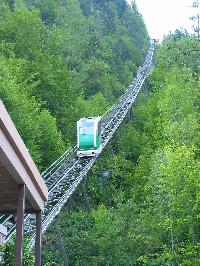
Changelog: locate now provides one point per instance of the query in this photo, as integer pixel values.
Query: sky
(162, 16)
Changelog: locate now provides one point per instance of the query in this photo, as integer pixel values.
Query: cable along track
(65, 174)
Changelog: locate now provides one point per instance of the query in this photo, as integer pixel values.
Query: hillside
(62, 60)
(146, 211)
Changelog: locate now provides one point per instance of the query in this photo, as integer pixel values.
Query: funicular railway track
(65, 174)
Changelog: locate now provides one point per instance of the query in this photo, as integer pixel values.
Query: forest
(66, 59)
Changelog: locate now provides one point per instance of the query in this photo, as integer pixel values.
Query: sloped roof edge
(22, 152)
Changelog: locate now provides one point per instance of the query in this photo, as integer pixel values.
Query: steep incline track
(64, 175)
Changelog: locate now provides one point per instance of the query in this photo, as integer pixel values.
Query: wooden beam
(38, 239)
(20, 225)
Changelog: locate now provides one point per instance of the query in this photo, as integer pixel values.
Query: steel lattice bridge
(66, 173)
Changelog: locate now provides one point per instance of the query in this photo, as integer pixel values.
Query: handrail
(56, 164)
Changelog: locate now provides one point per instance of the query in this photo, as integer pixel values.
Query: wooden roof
(17, 167)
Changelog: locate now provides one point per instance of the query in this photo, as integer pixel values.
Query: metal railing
(55, 165)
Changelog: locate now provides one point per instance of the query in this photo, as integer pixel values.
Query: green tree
(8, 251)
(36, 126)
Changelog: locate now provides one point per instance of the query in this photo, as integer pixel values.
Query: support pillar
(85, 194)
(38, 239)
(61, 244)
(20, 225)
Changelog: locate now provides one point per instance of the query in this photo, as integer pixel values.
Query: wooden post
(38, 238)
(20, 225)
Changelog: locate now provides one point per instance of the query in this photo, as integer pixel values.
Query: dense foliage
(60, 57)
(62, 60)
(145, 211)
(8, 253)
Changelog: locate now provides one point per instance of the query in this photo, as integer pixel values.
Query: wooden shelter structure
(22, 188)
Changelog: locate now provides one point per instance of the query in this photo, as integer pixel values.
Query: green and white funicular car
(89, 141)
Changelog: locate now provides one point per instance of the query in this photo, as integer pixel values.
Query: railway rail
(65, 174)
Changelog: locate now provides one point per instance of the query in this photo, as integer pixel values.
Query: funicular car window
(87, 128)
